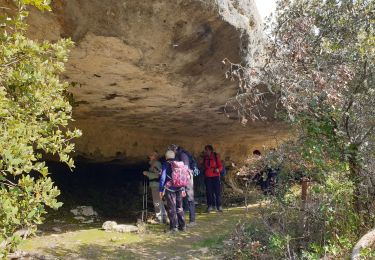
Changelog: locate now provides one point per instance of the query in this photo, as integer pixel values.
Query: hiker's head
(257, 153)
(170, 155)
(173, 147)
(209, 149)
(153, 156)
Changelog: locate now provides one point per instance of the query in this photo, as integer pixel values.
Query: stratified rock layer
(149, 73)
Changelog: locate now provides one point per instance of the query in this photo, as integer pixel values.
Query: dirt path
(198, 242)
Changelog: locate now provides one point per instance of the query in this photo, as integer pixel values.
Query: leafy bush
(247, 241)
(326, 224)
(34, 117)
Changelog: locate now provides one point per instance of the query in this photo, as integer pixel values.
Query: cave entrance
(114, 191)
(146, 78)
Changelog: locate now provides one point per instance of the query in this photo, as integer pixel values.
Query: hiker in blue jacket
(185, 157)
(173, 195)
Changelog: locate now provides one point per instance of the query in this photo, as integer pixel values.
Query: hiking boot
(209, 209)
(220, 209)
(182, 229)
(191, 224)
(171, 231)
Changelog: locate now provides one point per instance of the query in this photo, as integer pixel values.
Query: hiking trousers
(213, 190)
(160, 212)
(190, 199)
(175, 209)
(190, 206)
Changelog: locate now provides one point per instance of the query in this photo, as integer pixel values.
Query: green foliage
(338, 219)
(278, 245)
(328, 222)
(367, 253)
(319, 68)
(34, 117)
(326, 225)
(40, 4)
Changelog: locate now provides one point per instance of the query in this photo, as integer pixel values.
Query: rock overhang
(149, 73)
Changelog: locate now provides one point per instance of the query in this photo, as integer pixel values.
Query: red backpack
(180, 175)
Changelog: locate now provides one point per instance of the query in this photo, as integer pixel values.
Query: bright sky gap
(265, 7)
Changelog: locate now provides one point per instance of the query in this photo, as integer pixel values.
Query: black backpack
(193, 165)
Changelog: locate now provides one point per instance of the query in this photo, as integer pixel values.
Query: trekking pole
(222, 193)
(146, 197)
(143, 198)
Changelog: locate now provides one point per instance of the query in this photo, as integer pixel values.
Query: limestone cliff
(149, 73)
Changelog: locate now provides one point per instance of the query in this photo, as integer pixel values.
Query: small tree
(34, 117)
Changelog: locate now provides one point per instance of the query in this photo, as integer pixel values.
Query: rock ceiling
(148, 73)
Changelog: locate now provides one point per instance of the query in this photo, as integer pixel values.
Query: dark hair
(257, 152)
(209, 147)
(173, 147)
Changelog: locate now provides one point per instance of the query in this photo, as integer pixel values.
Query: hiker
(260, 175)
(153, 175)
(172, 194)
(272, 173)
(183, 156)
(265, 175)
(213, 167)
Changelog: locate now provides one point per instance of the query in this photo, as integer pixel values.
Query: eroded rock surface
(149, 73)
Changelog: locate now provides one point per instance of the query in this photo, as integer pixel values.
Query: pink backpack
(180, 175)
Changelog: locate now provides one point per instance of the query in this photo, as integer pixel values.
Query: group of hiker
(172, 180)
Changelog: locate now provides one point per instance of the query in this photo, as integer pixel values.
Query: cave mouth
(112, 189)
(147, 74)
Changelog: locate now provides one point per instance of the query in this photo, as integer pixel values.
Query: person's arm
(155, 171)
(151, 175)
(162, 180)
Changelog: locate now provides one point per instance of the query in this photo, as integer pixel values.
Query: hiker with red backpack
(213, 168)
(184, 156)
(174, 178)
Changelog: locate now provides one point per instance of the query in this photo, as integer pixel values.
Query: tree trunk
(304, 186)
(355, 177)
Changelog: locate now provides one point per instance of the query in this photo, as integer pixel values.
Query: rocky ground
(200, 242)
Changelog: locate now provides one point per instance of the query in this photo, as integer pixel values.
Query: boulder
(84, 214)
(56, 229)
(112, 226)
(86, 211)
